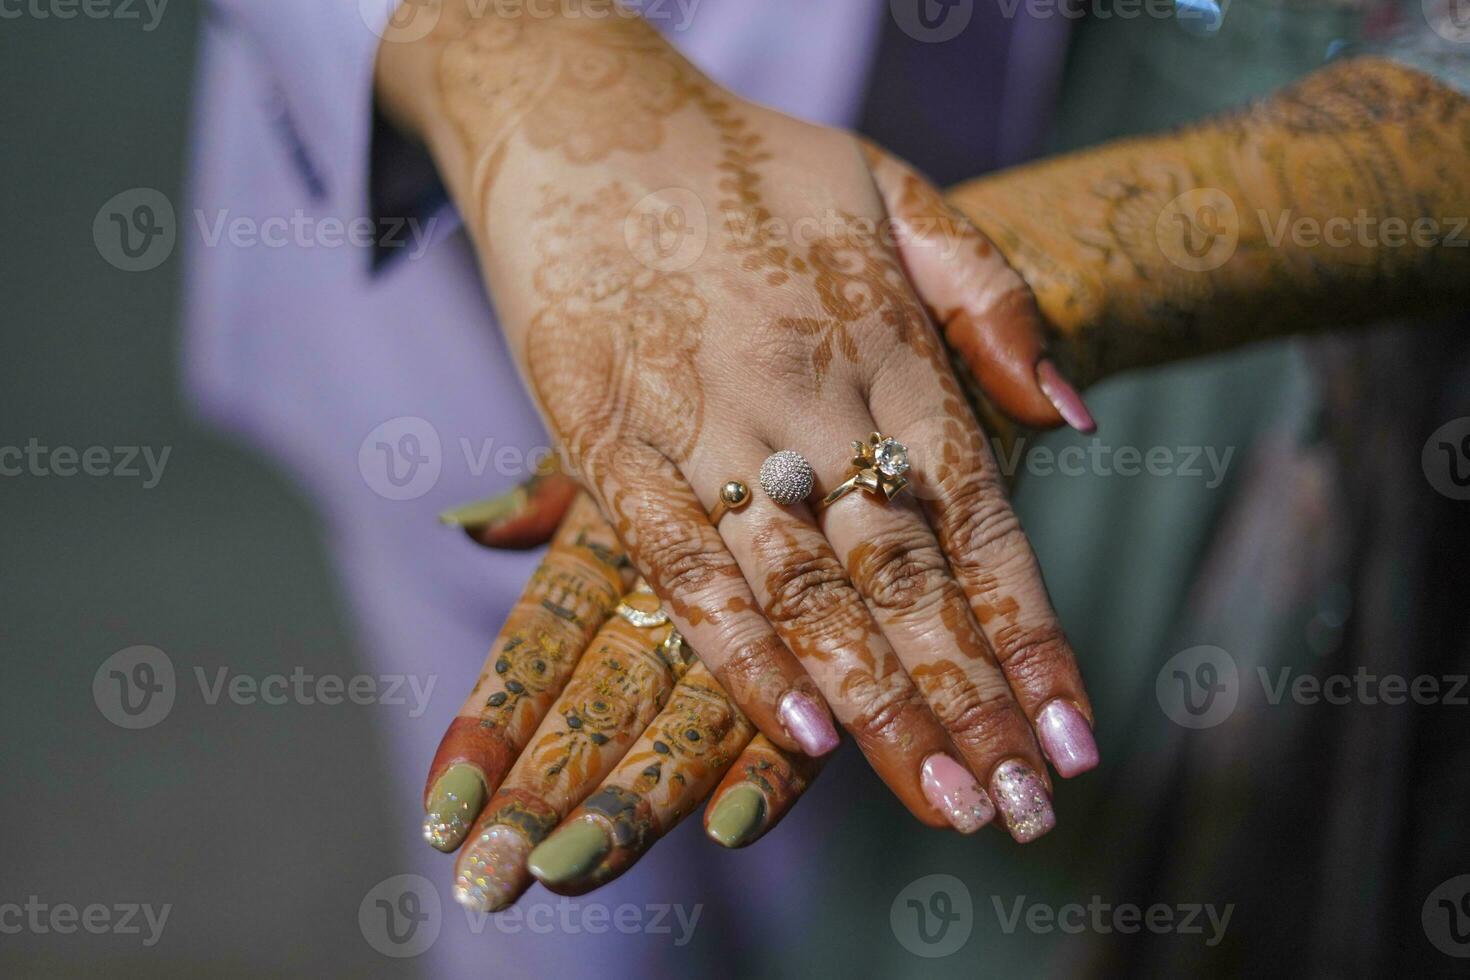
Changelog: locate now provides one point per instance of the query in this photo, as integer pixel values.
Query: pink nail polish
(1066, 738)
(492, 871)
(954, 792)
(808, 723)
(1062, 395)
(1021, 796)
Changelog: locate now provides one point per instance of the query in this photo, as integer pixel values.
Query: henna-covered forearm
(1340, 200)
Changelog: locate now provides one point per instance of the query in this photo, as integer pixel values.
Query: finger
(670, 537)
(961, 486)
(568, 598)
(524, 517)
(896, 564)
(757, 792)
(673, 766)
(618, 687)
(804, 590)
(989, 315)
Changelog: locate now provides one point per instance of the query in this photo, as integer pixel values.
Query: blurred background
(247, 837)
(218, 563)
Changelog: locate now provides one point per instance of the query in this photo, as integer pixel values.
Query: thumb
(987, 312)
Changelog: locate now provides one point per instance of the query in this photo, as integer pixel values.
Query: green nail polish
(570, 853)
(482, 512)
(454, 803)
(739, 817)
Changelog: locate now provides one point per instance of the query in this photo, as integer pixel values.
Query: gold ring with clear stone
(879, 466)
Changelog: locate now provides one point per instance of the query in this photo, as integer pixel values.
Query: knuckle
(880, 712)
(1032, 653)
(755, 673)
(900, 573)
(972, 704)
(979, 523)
(976, 721)
(808, 591)
(681, 562)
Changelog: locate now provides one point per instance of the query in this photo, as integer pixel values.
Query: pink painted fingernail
(1066, 738)
(1064, 397)
(808, 723)
(1021, 796)
(954, 792)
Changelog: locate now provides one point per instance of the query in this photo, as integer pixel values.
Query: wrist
(503, 84)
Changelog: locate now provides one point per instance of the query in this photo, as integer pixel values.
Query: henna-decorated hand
(664, 373)
(578, 707)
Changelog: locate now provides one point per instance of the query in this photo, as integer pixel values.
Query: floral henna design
(571, 594)
(1363, 136)
(585, 86)
(612, 351)
(856, 279)
(855, 276)
(618, 688)
(534, 659)
(624, 687)
(676, 762)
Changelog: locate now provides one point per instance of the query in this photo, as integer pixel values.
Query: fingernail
(454, 803)
(808, 723)
(1066, 738)
(738, 817)
(570, 853)
(953, 791)
(492, 872)
(493, 510)
(1021, 796)
(1064, 397)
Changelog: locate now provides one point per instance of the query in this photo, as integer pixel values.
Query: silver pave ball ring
(786, 477)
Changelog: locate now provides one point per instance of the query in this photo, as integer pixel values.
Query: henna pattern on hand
(854, 274)
(611, 352)
(1361, 135)
(586, 86)
(536, 653)
(621, 694)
